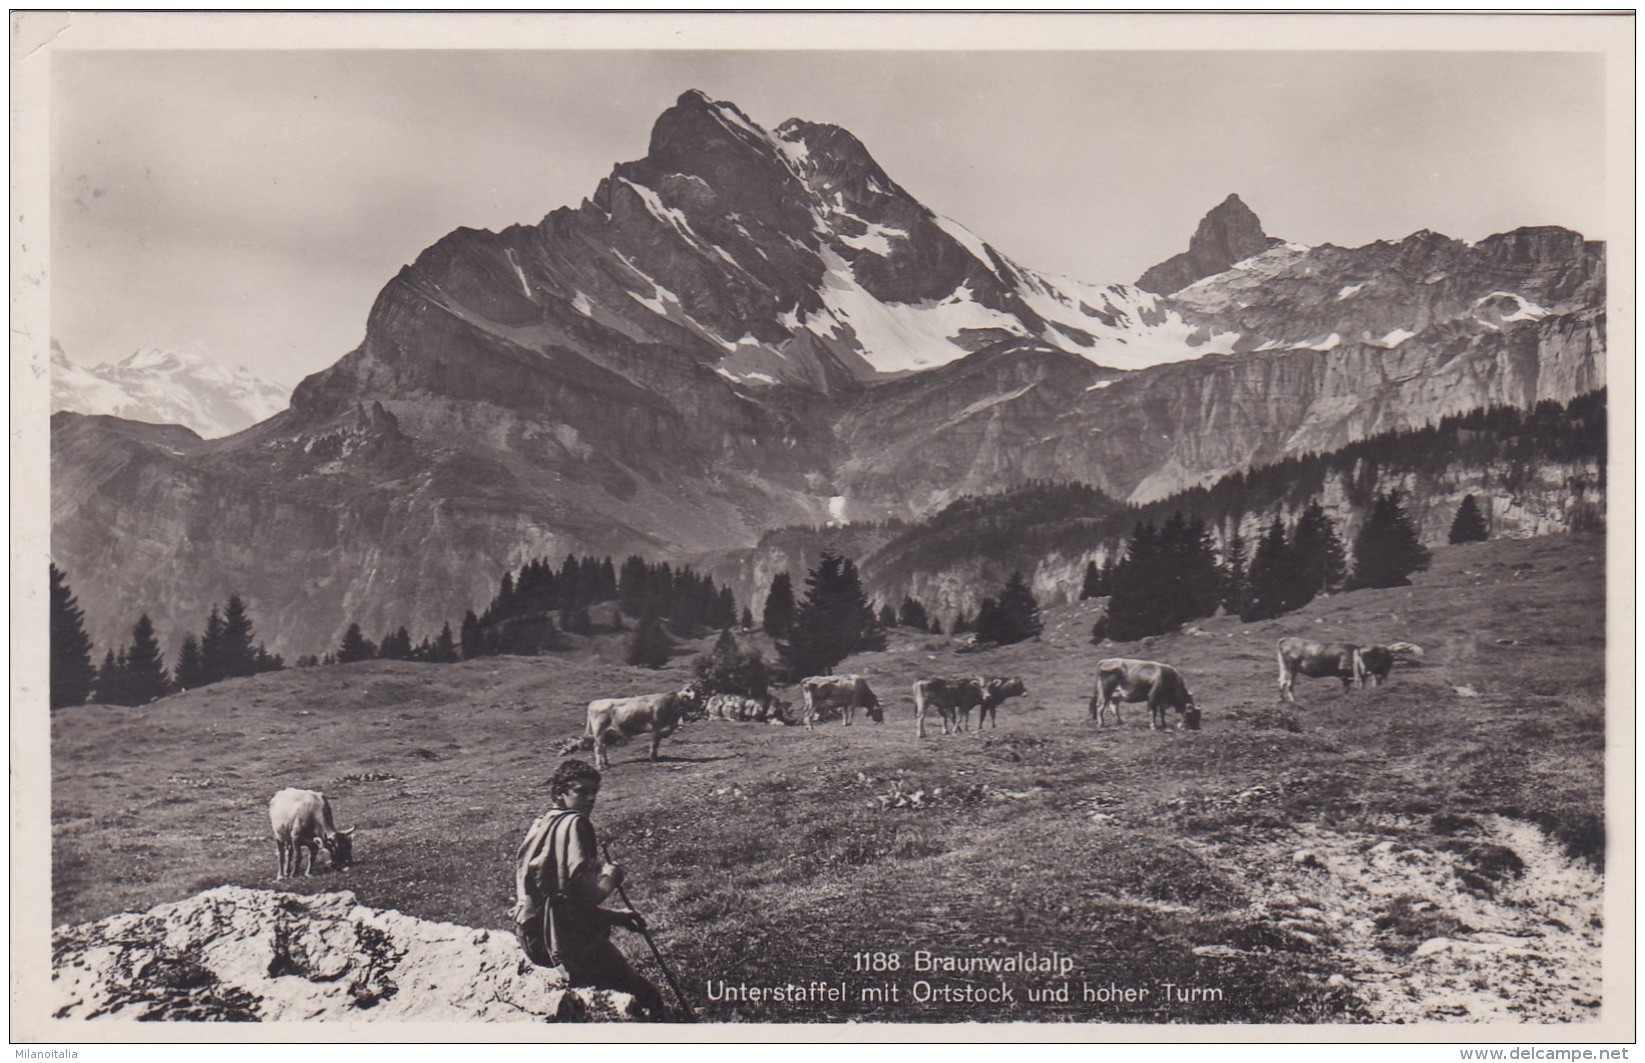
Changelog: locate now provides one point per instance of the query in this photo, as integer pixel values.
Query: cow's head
(694, 700)
(341, 847)
(874, 712)
(1190, 711)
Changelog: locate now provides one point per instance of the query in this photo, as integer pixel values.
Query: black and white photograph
(1102, 526)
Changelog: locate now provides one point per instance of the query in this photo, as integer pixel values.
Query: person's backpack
(532, 925)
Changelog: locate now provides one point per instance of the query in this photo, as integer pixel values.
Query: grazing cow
(995, 689)
(848, 693)
(1161, 686)
(955, 698)
(658, 714)
(950, 697)
(1379, 660)
(302, 822)
(1318, 660)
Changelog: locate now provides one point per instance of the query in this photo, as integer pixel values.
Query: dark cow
(1379, 660)
(302, 821)
(955, 698)
(949, 697)
(1376, 663)
(995, 689)
(848, 693)
(1124, 679)
(1318, 660)
(658, 714)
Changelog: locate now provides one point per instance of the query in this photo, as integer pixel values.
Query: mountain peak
(1229, 232)
(697, 125)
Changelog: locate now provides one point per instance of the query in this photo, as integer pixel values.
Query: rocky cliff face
(748, 329)
(1553, 499)
(240, 955)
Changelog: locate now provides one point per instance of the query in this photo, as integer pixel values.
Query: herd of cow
(302, 819)
(1119, 680)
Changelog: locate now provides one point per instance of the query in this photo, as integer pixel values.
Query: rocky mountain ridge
(748, 329)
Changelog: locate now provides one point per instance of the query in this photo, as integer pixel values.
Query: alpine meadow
(957, 641)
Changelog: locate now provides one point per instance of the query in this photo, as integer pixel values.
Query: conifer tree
(833, 622)
(725, 614)
(237, 656)
(747, 622)
(888, 616)
(1013, 617)
(912, 614)
(728, 670)
(212, 665)
(1268, 587)
(1136, 601)
(1316, 556)
(778, 616)
(473, 644)
(188, 674)
(396, 646)
(1191, 570)
(145, 678)
(444, 650)
(1092, 585)
(1387, 549)
(355, 646)
(648, 646)
(72, 673)
(987, 625)
(1469, 524)
(109, 688)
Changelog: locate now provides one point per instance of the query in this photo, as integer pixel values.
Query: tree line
(1167, 576)
(136, 673)
(526, 616)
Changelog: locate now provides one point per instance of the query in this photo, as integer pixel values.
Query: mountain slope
(749, 329)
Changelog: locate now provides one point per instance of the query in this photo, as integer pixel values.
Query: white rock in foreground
(243, 955)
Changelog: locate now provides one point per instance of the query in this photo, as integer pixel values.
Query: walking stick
(690, 1016)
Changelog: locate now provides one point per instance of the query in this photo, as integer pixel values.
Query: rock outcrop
(1229, 233)
(242, 955)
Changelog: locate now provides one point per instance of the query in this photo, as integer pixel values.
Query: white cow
(302, 821)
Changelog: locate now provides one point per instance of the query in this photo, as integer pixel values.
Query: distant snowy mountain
(166, 387)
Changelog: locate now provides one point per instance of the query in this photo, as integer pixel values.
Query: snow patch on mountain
(1330, 342)
(159, 386)
(1503, 308)
(898, 337)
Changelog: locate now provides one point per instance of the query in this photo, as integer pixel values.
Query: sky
(250, 205)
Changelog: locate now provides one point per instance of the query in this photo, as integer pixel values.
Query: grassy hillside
(1428, 850)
